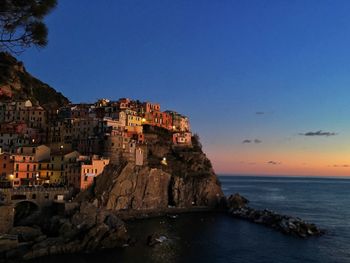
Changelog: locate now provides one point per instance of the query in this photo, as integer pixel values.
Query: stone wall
(6, 218)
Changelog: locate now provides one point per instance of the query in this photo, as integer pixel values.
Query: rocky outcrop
(89, 229)
(286, 224)
(186, 180)
(134, 188)
(236, 201)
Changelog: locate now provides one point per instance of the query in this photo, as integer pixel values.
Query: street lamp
(11, 177)
(37, 178)
(164, 162)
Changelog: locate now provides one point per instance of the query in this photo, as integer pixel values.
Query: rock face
(17, 84)
(89, 229)
(187, 180)
(139, 188)
(286, 224)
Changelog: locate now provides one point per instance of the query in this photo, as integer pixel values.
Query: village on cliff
(70, 147)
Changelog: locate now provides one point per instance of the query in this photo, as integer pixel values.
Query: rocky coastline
(95, 220)
(289, 225)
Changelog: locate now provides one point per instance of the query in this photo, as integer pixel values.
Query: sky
(265, 83)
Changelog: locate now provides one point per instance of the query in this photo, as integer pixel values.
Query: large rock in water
(288, 225)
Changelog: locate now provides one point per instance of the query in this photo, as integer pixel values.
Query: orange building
(159, 119)
(26, 164)
(82, 175)
(150, 107)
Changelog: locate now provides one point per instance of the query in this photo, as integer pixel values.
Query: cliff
(186, 180)
(17, 84)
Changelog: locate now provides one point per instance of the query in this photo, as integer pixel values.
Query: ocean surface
(213, 237)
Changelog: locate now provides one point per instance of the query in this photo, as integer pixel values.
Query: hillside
(17, 84)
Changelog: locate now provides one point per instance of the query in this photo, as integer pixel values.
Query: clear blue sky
(219, 62)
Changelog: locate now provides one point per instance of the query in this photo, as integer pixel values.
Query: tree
(21, 24)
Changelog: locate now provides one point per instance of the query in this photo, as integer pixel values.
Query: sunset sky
(266, 84)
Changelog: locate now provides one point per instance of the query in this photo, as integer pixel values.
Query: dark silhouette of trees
(21, 24)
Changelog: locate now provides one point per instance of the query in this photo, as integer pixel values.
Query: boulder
(8, 244)
(26, 233)
(236, 201)
(155, 239)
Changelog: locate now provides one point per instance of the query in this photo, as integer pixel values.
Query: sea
(213, 237)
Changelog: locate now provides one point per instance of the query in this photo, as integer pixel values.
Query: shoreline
(146, 213)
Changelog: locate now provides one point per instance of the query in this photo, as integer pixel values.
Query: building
(6, 167)
(180, 122)
(26, 164)
(159, 119)
(182, 138)
(83, 174)
(59, 166)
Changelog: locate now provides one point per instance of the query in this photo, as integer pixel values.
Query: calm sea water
(220, 238)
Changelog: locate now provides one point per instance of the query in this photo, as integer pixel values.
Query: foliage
(21, 24)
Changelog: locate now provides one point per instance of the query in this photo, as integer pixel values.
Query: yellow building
(44, 171)
(59, 166)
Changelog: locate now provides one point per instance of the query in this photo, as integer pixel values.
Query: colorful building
(26, 164)
(83, 174)
(182, 138)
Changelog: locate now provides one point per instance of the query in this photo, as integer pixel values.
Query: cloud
(341, 165)
(274, 163)
(318, 133)
(259, 113)
(251, 141)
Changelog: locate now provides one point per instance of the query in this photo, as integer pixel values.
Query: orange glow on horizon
(291, 163)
